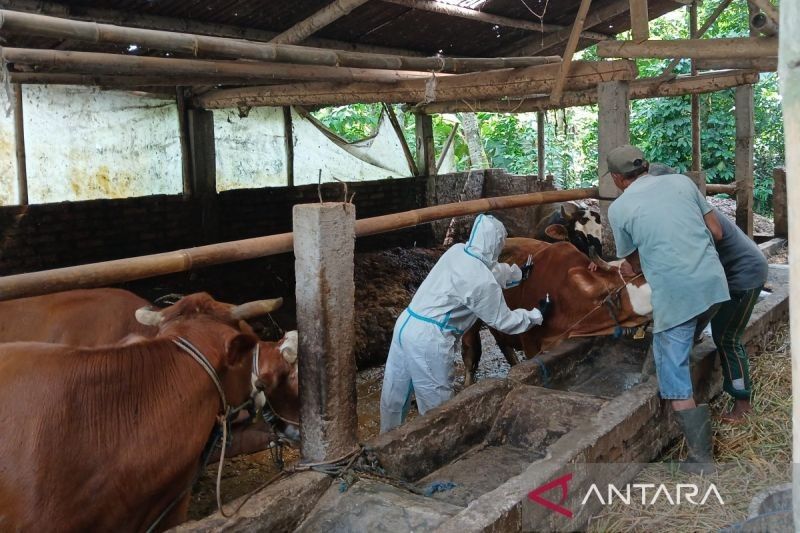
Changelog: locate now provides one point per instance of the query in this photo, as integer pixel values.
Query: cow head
(275, 376)
(574, 223)
(220, 332)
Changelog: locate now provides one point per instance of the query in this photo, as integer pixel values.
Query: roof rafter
(328, 14)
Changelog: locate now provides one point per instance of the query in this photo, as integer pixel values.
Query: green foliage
(660, 126)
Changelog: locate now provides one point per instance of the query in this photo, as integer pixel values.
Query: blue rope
(545, 374)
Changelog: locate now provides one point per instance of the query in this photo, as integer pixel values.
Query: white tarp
(315, 150)
(250, 150)
(82, 144)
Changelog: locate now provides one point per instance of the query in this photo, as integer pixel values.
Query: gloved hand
(526, 271)
(545, 306)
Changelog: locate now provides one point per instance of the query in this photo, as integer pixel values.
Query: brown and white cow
(572, 222)
(98, 317)
(578, 298)
(107, 438)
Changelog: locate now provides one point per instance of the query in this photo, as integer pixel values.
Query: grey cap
(625, 159)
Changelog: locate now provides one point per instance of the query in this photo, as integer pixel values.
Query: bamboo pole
(412, 164)
(572, 44)
(57, 78)
(720, 188)
(115, 64)
(762, 64)
(640, 89)
(584, 74)
(123, 270)
(19, 140)
(762, 25)
(328, 14)
(29, 24)
(789, 77)
(740, 48)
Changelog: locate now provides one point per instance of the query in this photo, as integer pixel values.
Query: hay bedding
(750, 457)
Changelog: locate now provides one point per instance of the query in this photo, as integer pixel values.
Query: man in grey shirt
(660, 222)
(746, 271)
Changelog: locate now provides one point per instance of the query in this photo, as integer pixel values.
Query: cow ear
(557, 232)
(288, 347)
(239, 346)
(569, 210)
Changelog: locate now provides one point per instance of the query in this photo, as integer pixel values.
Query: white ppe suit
(464, 285)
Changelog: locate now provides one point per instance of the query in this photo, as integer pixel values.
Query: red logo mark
(535, 495)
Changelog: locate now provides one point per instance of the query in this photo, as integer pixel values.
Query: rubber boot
(696, 426)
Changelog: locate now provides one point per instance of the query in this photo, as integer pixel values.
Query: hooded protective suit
(464, 285)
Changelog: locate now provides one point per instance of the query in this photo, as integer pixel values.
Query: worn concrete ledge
(278, 507)
(772, 246)
(558, 361)
(419, 447)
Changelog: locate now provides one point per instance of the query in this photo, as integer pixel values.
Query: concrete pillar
(324, 242)
(744, 158)
(613, 130)
(203, 157)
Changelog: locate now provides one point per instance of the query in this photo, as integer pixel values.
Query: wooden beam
(446, 147)
(398, 130)
(697, 161)
(640, 21)
(186, 152)
(328, 14)
(288, 136)
(706, 25)
(203, 156)
(540, 161)
(780, 207)
(572, 44)
(488, 18)
(740, 48)
(763, 64)
(744, 158)
(536, 45)
(28, 24)
(181, 25)
(639, 89)
(426, 153)
(529, 80)
(19, 140)
(114, 64)
(768, 8)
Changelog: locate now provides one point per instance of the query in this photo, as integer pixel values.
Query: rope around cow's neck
(598, 306)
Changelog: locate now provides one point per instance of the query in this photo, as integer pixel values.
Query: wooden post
(19, 139)
(640, 21)
(613, 130)
(789, 76)
(744, 158)
(324, 243)
(569, 51)
(697, 161)
(204, 170)
(288, 134)
(780, 208)
(426, 154)
(183, 131)
(540, 163)
(699, 179)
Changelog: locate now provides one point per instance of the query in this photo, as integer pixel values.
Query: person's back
(662, 217)
(745, 265)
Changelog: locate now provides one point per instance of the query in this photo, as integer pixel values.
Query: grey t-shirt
(745, 266)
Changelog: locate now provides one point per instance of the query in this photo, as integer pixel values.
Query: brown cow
(117, 431)
(98, 317)
(578, 297)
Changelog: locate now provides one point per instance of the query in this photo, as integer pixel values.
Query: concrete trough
(597, 419)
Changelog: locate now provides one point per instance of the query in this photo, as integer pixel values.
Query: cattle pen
(172, 147)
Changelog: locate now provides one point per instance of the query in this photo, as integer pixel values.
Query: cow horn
(257, 308)
(597, 260)
(148, 317)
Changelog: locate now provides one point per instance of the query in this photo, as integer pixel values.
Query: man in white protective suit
(465, 284)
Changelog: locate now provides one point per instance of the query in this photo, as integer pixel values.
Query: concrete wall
(83, 143)
(8, 160)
